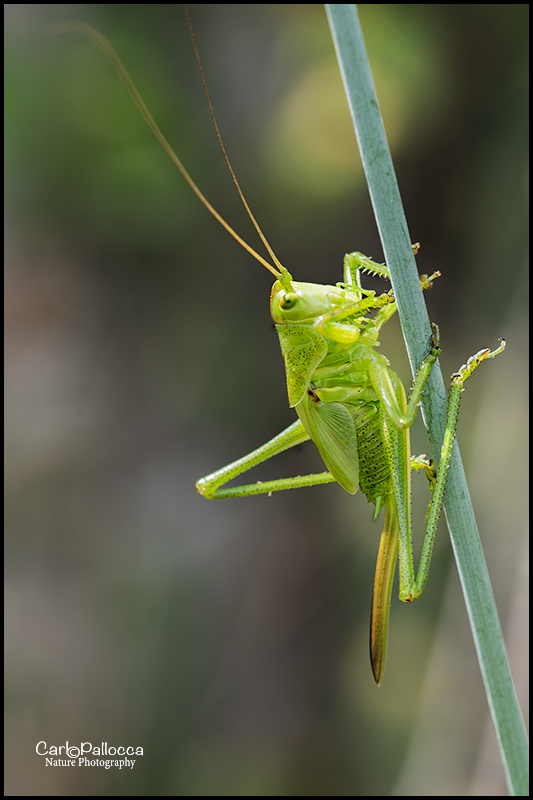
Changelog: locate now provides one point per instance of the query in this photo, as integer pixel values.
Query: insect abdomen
(374, 469)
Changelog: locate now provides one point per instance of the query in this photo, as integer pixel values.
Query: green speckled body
(354, 408)
(374, 464)
(337, 382)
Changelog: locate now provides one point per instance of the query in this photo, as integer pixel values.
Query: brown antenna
(77, 26)
(219, 137)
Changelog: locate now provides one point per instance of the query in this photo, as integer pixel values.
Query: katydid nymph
(347, 399)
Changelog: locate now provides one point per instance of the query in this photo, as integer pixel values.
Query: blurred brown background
(229, 639)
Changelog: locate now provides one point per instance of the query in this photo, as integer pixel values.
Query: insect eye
(288, 300)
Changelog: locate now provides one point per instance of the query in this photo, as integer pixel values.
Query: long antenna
(219, 137)
(77, 26)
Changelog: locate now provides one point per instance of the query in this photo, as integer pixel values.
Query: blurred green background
(229, 639)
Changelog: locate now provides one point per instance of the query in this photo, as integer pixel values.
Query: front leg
(355, 262)
(331, 326)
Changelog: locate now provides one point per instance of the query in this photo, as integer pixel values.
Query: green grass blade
(394, 233)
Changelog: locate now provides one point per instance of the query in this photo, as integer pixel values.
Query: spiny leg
(329, 324)
(456, 389)
(295, 434)
(355, 263)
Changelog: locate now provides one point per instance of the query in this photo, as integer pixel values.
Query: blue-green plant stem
(392, 224)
